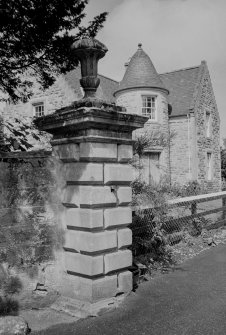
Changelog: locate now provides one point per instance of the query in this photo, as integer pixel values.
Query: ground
(196, 273)
(190, 300)
(188, 248)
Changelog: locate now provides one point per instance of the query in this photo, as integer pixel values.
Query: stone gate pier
(93, 139)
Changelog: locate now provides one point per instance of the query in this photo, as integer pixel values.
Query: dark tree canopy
(35, 39)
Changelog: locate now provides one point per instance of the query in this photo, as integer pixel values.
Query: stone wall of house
(179, 150)
(211, 144)
(30, 232)
(131, 99)
(59, 95)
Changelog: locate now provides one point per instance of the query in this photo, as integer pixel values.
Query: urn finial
(89, 51)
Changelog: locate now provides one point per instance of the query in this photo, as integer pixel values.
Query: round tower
(142, 91)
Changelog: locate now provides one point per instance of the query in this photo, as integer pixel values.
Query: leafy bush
(190, 188)
(150, 226)
(29, 233)
(9, 286)
(148, 236)
(8, 306)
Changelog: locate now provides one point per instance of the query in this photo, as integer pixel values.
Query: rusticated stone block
(90, 290)
(67, 152)
(114, 217)
(84, 173)
(88, 196)
(98, 151)
(84, 264)
(125, 282)
(117, 174)
(117, 260)
(97, 196)
(124, 237)
(90, 242)
(125, 153)
(104, 288)
(124, 195)
(70, 196)
(83, 218)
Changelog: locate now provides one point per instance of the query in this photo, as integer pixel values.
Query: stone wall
(60, 94)
(30, 233)
(211, 144)
(179, 150)
(189, 147)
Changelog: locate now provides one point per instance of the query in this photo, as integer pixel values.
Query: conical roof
(141, 72)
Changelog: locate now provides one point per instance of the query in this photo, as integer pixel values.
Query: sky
(174, 33)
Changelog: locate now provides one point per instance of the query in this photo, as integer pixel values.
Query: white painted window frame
(39, 109)
(146, 96)
(38, 102)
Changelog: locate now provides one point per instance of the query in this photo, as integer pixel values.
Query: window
(209, 165)
(149, 107)
(208, 124)
(38, 109)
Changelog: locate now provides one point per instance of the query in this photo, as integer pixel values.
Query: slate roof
(105, 90)
(140, 72)
(182, 85)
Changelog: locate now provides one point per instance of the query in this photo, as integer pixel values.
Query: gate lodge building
(180, 105)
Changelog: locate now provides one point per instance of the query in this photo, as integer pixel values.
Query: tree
(35, 42)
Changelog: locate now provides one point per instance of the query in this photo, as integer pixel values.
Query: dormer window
(149, 106)
(38, 109)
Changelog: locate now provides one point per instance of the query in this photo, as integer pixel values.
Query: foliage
(192, 187)
(145, 141)
(148, 236)
(35, 40)
(22, 135)
(28, 235)
(9, 286)
(149, 139)
(150, 226)
(8, 306)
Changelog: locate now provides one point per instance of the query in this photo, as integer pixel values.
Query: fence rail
(188, 215)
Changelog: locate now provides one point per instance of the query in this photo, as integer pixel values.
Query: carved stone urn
(89, 51)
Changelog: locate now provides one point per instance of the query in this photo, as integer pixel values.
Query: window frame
(37, 105)
(208, 123)
(209, 165)
(143, 107)
(38, 101)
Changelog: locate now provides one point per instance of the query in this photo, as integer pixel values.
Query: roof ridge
(183, 69)
(197, 88)
(108, 78)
